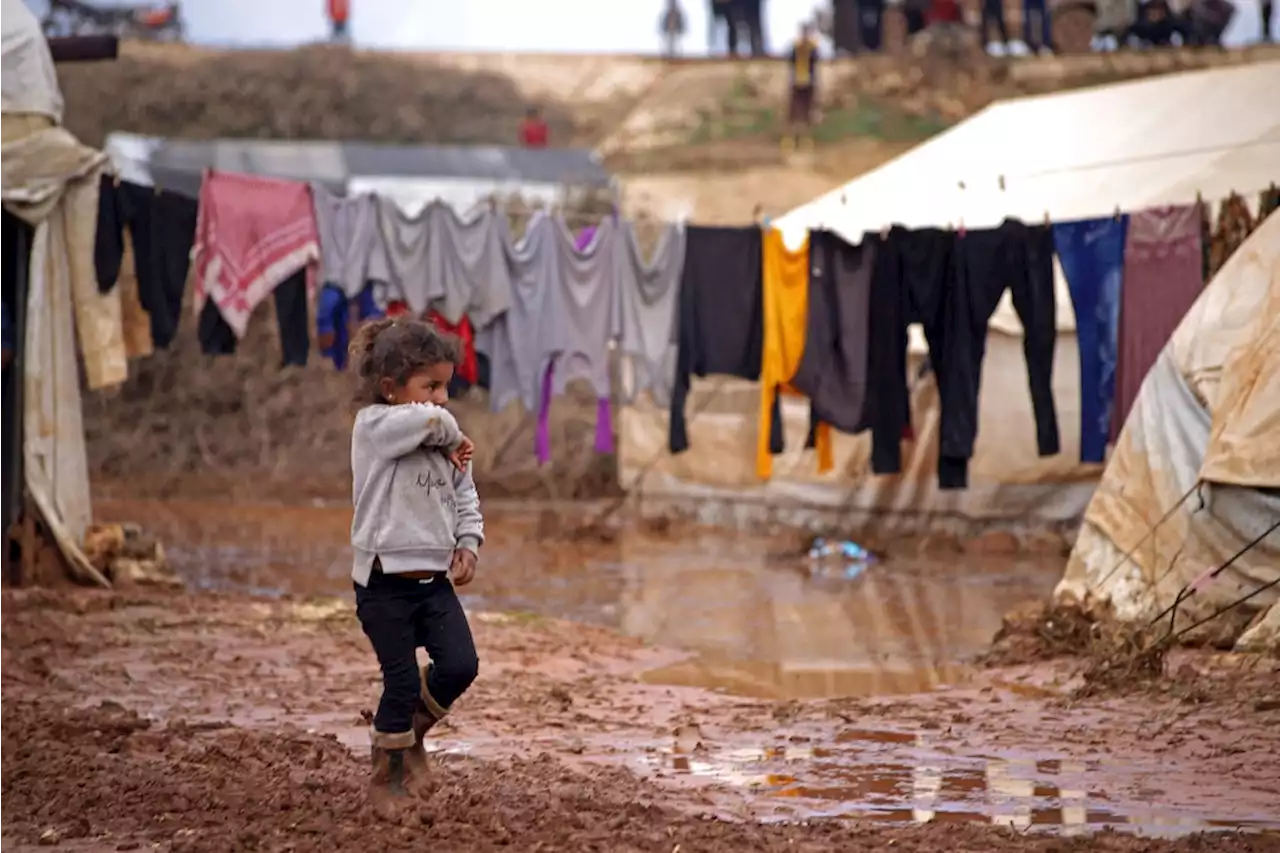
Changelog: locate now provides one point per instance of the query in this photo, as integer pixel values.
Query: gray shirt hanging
(584, 304)
(646, 311)
(516, 342)
(466, 270)
(348, 230)
(405, 243)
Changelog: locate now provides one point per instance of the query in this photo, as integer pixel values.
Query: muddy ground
(192, 722)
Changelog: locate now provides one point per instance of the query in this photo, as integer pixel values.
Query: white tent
(1073, 155)
(1195, 476)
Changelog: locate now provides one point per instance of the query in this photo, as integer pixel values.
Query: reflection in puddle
(755, 625)
(898, 777)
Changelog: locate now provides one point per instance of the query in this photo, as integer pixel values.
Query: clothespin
(1000, 182)
(1047, 223)
(757, 212)
(1199, 199)
(844, 199)
(960, 230)
(115, 181)
(884, 231)
(1117, 213)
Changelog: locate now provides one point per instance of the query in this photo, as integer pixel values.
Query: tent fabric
(1044, 156)
(51, 182)
(1199, 447)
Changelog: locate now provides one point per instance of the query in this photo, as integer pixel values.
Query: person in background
(1156, 26)
(1267, 6)
(751, 16)
(729, 14)
(916, 15)
(1041, 42)
(870, 24)
(339, 12)
(672, 28)
(803, 64)
(993, 17)
(533, 130)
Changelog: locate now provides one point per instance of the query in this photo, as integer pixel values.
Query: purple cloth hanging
(604, 409)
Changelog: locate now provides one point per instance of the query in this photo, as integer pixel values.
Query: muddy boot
(390, 774)
(426, 712)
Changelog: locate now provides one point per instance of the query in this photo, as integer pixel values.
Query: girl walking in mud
(416, 527)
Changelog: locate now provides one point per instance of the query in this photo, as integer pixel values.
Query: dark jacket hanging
(162, 226)
(720, 324)
(833, 369)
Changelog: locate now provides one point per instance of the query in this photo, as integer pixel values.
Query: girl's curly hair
(396, 349)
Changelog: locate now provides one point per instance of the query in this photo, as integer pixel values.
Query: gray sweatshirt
(466, 270)
(561, 309)
(404, 252)
(413, 509)
(646, 312)
(516, 342)
(583, 304)
(348, 229)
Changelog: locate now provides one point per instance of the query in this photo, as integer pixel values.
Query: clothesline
(1048, 219)
(826, 321)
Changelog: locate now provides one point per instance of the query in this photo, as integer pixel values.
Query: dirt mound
(317, 92)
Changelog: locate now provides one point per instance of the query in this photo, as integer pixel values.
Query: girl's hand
(463, 567)
(461, 455)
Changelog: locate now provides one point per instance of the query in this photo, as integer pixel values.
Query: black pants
(400, 614)
(993, 18)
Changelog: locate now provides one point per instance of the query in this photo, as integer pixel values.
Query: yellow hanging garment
(786, 307)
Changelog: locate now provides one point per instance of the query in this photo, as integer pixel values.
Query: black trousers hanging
(217, 338)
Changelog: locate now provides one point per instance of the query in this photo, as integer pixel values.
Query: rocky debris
(128, 557)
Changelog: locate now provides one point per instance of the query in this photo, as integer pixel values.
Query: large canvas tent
(1195, 476)
(1079, 154)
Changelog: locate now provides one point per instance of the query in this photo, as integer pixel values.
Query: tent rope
(1224, 609)
(1129, 554)
(1189, 589)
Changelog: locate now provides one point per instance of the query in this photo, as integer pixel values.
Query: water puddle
(902, 777)
(755, 624)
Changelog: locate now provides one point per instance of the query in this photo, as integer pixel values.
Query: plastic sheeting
(51, 182)
(1205, 417)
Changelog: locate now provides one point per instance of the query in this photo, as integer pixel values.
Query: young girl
(416, 526)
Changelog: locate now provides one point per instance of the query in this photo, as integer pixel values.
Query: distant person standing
(803, 64)
(1267, 7)
(672, 28)
(534, 132)
(1042, 41)
(339, 12)
(751, 16)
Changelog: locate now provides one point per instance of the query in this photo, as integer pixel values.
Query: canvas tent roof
(1074, 155)
(1208, 412)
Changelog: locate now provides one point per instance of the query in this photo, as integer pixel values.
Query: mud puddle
(754, 619)
(900, 777)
